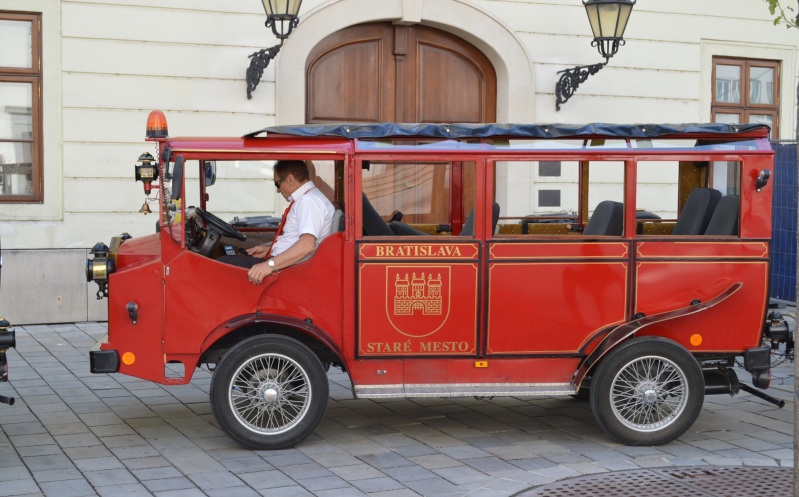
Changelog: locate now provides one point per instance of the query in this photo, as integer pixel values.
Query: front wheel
(648, 391)
(269, 392)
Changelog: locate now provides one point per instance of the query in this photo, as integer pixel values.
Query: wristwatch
(271, 263)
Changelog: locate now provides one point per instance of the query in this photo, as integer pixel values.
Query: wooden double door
(380, 72)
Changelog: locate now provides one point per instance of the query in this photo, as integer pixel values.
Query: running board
(464, 390)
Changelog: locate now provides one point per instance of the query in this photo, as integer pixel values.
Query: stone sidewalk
(72, 433)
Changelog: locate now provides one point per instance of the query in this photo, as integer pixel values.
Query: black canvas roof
(539, 131)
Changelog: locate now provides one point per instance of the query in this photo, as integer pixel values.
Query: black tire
(647, 391)
(269, 392)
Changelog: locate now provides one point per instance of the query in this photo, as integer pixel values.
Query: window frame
(32, 75)
(745, 108)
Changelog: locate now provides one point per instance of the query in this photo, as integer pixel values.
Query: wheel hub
(648, 391)
(269, 393)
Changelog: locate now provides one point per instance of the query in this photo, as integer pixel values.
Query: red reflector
(156, 125)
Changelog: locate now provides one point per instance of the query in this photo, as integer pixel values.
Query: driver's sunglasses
(277, 183)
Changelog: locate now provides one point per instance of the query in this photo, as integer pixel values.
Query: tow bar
(757, 393)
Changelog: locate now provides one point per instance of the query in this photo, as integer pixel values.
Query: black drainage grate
(675, 482)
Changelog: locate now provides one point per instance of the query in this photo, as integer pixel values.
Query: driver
(306, 222)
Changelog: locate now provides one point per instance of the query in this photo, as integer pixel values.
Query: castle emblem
(418, 298)
(417, 294)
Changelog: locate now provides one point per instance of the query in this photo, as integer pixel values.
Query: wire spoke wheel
(269, 392)
(649, 393)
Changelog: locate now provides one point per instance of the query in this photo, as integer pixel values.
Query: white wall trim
(512, 63)
(786, 54)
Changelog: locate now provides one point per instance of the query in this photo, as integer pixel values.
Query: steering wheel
(222, 227)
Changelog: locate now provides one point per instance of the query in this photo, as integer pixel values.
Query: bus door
(558, 262)
(417, 281)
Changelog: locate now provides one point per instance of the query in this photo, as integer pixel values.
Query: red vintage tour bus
(628, 263)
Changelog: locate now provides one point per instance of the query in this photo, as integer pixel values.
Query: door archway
(382, 72)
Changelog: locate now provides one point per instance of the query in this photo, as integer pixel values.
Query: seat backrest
(725, 218)
(607, 220)
(468, 225)
(698, 209)
(338, 220)
(373, 224)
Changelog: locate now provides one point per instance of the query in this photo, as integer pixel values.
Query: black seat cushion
(468, 225)
(725, 218)
(607, 220)
(698, 209)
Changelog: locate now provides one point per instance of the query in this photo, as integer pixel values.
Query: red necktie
(279, 229)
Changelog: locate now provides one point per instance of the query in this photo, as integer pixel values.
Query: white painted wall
(107, 63)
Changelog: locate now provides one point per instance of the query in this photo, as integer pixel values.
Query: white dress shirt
(312, 213)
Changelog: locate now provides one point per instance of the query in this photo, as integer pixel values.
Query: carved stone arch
(515, 93)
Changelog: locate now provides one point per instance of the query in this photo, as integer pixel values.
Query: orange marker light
(696, 340)
(128, 358)
(481, 364)
(156, 125)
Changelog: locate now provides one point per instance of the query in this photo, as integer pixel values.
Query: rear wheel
(648, 391)
(269, 392)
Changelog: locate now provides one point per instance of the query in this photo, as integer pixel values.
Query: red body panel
(142, 285)
(411, 305)
(138, 251)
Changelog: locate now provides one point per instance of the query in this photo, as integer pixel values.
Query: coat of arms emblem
(417, 298)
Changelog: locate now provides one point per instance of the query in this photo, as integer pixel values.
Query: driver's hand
(258, 251)
(258, 272)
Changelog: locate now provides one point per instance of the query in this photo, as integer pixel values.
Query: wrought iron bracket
(571, 79)
(258, 62)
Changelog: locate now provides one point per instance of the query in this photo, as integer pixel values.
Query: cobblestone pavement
(72, 433)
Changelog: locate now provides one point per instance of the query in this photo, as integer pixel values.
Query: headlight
(99, 268)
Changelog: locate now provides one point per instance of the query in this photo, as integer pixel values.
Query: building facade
(78, 79)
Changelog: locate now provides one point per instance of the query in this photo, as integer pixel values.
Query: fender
(624, 331)
(298, 324)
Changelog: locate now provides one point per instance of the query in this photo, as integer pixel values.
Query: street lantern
(282, 16)
(608, 20)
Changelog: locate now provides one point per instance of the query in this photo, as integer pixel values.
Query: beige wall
(107, 63)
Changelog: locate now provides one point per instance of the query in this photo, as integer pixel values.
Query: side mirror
(210, 173)
(762, 179)
(177, 178)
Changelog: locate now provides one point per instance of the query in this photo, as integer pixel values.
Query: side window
(536, 197)
(20, 108)
(657, 197)
(672, 198)
(545, 197)
(417, 198)
(726, 177)
(246, 190)
(243, 189)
